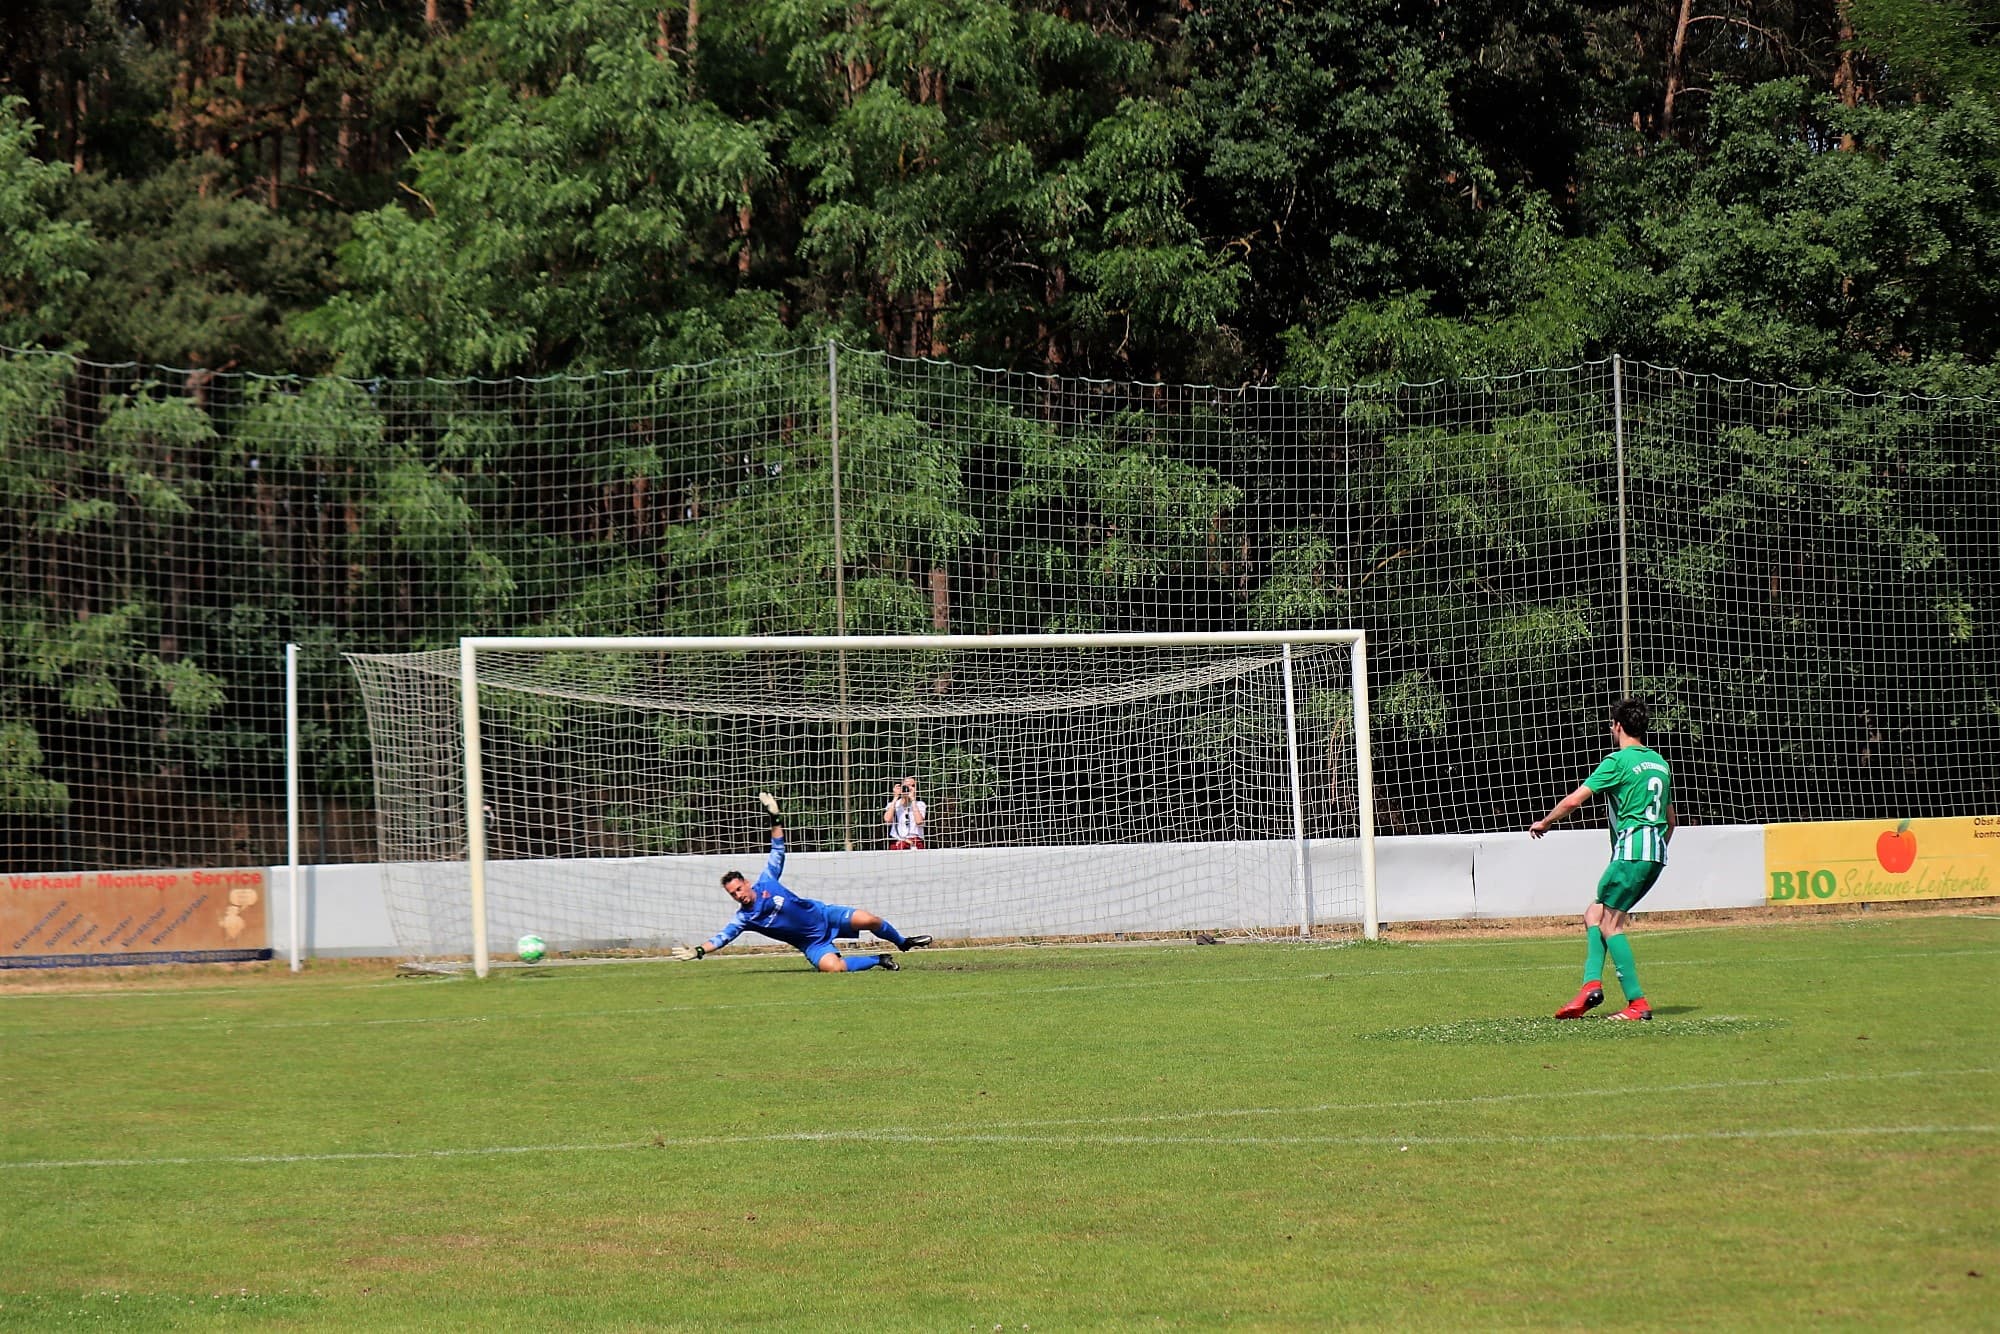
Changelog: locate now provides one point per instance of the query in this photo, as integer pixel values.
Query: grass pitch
(1264, 1135)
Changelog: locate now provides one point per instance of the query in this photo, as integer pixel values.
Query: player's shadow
(1676, 1009)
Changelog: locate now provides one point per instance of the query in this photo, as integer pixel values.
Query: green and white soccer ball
(531, 948)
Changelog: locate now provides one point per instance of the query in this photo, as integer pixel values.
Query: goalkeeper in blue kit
(1639, 787)
(770, 909)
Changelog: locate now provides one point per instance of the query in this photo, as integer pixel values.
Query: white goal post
(1087, 785)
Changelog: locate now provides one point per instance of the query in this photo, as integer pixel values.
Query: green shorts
(1623, 884)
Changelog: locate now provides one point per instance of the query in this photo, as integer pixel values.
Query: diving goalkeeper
(770, 909)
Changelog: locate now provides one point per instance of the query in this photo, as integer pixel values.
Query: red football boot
(1588, 997)
(1637, 1009)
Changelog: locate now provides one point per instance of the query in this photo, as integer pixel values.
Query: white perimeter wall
(1450, 877)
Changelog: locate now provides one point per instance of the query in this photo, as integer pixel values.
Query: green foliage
(954, 168)
(43, 257)
(1799, 240)
(1542, 300)
(32, 653)
(153, 448)
(1112, 511)
(184, 277)
(77, 648)
(408, 551)
(1333, 155)
(1151, 277)
(1414, 705)
(1323, 194)
(1933, 46)
(23, 785)
(1812, 242)
(576, 217)
(1303, 586)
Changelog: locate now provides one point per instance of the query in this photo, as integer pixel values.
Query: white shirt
(906, 821)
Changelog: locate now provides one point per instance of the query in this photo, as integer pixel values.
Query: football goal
(592, 791)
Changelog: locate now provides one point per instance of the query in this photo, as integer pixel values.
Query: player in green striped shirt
(1639, 787)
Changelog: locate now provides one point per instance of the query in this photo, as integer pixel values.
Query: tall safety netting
(1805, 582)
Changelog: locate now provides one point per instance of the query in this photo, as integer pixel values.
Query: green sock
(1628, 971)
(1593, 962)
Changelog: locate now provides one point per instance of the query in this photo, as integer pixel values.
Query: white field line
(1401, 1141)
(1483, 1099)
(1048, 1141)
(875, 994)
(1022, 1132)
(1646, 931)
(226, 989)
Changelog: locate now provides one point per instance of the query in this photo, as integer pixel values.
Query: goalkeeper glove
(770, 805)
(689, 953)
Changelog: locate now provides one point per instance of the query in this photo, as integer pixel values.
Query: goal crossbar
(908, 643)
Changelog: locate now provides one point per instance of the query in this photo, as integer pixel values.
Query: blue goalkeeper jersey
(777, 913)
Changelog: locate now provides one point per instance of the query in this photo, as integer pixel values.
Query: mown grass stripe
(992, 1132)
(875, 993)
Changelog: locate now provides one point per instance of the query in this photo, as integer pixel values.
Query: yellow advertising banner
(1876, 861)
(76, 919)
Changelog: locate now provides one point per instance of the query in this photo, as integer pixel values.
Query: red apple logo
(1897, 849)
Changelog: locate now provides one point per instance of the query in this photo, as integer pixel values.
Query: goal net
(1075, 785)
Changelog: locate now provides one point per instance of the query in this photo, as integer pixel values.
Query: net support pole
(1364, 790)
(292, 801)
(1301, 867)
(475, 802)
(840, 595)
(1624, 554)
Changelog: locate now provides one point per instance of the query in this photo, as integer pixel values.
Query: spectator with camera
(904, 816)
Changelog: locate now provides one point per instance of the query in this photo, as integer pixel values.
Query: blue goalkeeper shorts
(836, 922)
